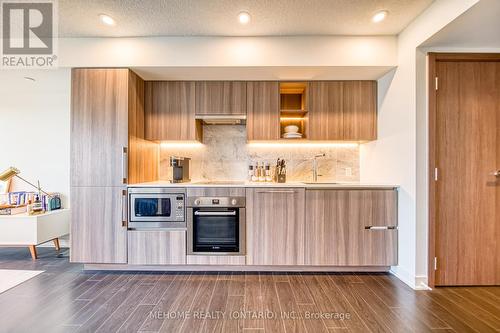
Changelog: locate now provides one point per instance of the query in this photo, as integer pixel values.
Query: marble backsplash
(225, 155)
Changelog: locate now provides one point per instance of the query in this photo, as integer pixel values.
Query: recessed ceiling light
(380, 16)
(106, 19)
(244, 17)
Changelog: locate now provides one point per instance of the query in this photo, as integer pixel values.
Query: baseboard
(418, 282)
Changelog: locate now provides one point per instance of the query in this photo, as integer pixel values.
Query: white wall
(393, 158)
(34, 130)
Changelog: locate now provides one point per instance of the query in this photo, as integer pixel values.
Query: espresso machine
(180, 169)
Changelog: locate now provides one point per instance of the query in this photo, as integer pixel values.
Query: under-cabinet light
(180, 144)
(302, 144)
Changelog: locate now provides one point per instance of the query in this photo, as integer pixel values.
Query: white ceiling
(479, 27)
(219, 17)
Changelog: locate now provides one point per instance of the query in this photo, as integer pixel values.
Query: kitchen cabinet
(343, 110)
(221, 98)
(326, 112)
(98, 225)
(275, 226)
(263, 110)
(108, 151)
(170, 111)
(360, 110)
(157, 247)
(99, 127)
(337, 228)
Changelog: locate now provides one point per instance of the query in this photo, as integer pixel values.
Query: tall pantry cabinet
(107, 152)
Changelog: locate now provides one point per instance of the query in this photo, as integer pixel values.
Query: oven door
(216, 231)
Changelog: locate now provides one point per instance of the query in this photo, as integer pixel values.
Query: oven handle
(233, 213)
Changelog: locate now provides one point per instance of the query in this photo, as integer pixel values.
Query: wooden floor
(66, 299)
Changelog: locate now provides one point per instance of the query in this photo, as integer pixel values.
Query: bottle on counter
(255, 174)
(262, 173)
(250, 173)
(269, 178)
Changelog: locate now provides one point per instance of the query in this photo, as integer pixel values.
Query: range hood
(222, 119)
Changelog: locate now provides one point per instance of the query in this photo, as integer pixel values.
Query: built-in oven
(156, 207)
(216, 226)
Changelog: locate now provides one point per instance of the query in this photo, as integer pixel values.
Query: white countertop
(320, 185)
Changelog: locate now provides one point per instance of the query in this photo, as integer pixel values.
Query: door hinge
(437, 82)
(435, 263)
(436, 174)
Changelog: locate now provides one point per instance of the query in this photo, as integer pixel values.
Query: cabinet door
(325, 114)
(275, 226)
(99, 127)
(336, 227)
(360, 110)
(98, 225)
(221, 98)
(263, 115)
(157, 247)
(169, 111)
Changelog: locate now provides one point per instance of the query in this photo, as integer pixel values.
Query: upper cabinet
(99, 126)
(263, 110)
(326, 110)
(360, 110)
(170, 111)
(343, 110)
(221, 98)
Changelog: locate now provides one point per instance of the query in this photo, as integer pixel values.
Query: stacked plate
(292, 132)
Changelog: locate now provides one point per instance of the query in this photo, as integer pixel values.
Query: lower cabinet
(275, 226)
(98, 225)
(351, 227)
(157, 247)
(215, 260)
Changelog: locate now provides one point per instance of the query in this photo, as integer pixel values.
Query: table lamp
(13, 172)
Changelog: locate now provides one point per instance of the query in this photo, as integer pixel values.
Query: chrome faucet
(315, 166)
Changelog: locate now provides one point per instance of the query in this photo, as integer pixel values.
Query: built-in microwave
(151, 207)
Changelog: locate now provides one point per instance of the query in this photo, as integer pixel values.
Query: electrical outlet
(348, 172)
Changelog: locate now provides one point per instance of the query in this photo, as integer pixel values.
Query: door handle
(198, 213)
(496, 173)
(375, 227)
(124, 165)
(124, 209)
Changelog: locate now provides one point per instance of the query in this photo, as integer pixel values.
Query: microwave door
(150, 207)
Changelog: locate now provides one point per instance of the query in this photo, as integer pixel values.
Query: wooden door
(263, 114)
(98, 231)
(336, 228)
(467, 153)
(275, 226)
(170, 111)
(99, 127)
(359, 110)
(326, 120)
(221, 98)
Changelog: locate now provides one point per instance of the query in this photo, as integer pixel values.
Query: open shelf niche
(293, 108)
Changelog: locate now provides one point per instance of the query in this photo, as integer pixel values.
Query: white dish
(291, 129)
(292, 135)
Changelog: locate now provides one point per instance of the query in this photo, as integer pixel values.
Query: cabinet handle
(374, 227)
(198, 213)
(124, 209)
(276, 191)
(124, 165)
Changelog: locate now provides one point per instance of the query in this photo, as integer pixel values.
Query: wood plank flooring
(66, 299)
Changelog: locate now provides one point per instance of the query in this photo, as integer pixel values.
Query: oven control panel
(216, 202)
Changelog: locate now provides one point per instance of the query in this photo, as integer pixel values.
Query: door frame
(433, 59)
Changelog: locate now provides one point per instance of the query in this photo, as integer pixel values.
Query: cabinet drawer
(157, 247)
(216, 260)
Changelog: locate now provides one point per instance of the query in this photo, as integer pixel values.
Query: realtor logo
(29, 33)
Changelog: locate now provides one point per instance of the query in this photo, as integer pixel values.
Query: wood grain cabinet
(221, 98)
(275, 226)
(170, 111)
(108, 150)
(336, 228)
(157, 247)
(359, 110)
(98, 225)
(343, 110)
(263, 110)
